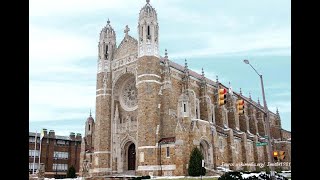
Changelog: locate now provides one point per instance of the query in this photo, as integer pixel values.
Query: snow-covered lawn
(187, 177)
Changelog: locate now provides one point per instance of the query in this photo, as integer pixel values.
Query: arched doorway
(206, 151)
(132, 157)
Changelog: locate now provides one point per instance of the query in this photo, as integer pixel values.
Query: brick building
(58, 153)
(151, 112)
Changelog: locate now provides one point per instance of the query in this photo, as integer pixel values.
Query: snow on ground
(223, 169)
(249, 175)
(182, 177)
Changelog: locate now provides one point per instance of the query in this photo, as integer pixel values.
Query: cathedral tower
(148, 86)
(102, 138)
(148, 31)
(89, 130)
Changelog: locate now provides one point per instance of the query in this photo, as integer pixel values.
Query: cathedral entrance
(132, 157)
(205, 150)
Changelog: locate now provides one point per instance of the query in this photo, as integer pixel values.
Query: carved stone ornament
(128, 95)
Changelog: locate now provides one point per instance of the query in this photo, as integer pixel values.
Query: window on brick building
(60, 167)
(89, 127)
(32, 139)
(184, 107)
(31, 166)
(33, 153)
(60, 155)
(167, 152)
(61, 142)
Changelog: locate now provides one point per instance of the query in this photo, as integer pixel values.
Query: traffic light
(240, 106)
(222, 96)
(282, 155)
(275, 155)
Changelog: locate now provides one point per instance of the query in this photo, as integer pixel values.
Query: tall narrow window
(197, 117)
(168, 152)
(89, 127)
(184, 108)
(106, 51)
(141, 31)
(212, 117)
(148, 36)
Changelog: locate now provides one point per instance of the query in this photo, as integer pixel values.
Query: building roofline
(32, 134)
(213, 83)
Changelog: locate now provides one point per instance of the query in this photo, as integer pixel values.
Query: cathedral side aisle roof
(209, 81)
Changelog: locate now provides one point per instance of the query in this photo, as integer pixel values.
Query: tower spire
(250, 96)
(185, 64)
(240, 92)
(166, 54)
(108, 22)
(148, 31)
(185, 78)
(203, 83)
(167, 72)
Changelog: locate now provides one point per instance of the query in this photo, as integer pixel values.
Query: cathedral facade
(151, 113)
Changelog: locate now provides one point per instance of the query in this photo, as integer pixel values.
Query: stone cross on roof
(126, 30)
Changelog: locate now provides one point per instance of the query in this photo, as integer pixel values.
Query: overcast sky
(213, 34)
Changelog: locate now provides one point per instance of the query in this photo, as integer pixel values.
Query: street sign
(261, 143)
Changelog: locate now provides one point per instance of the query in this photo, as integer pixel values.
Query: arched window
(89, 127)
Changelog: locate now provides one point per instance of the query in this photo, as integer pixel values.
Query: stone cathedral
(151, 113)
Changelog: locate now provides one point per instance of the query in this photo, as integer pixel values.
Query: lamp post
(267, 121)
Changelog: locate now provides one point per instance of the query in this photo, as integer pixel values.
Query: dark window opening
(168, 152)
(197, 117)
(89, 127)
(184, 108)
(212, 116)
(149, 36)
(106, 54)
